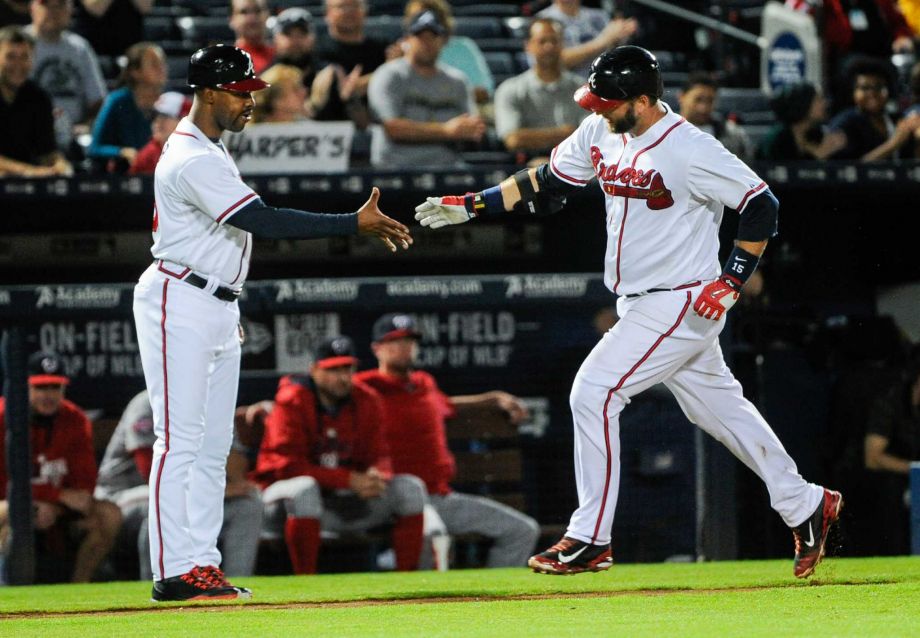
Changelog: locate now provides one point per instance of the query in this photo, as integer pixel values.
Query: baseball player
(324, 462)
(666, 185)
(187, 317)
(124, 475)
(416, 411)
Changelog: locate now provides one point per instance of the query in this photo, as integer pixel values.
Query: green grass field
(847, 597)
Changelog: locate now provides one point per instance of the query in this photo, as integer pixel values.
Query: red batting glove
(716, 298)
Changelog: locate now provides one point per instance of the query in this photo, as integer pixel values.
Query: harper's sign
(295, 147)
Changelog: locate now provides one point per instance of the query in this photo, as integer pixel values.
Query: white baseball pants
(659, 339)
(190, 350)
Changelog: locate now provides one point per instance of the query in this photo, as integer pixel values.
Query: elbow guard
(549, 199)
(760, 217)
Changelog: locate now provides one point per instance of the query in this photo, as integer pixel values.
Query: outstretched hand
(442, 211)
(371, 221)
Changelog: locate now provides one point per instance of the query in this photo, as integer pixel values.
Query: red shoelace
(213, 575)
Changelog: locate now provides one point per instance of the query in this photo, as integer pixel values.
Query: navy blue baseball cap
(336, 352)
(395, 325)
(46, 368)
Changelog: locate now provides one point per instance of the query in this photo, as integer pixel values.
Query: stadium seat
(742, 100)
(494, 10)
(500, 63)
(177, 66)
(201, 30)
(386, 27)
(478, 27)
(511, 45)
(385, 8)
(516, 27)
(201, 7)
(159, 28)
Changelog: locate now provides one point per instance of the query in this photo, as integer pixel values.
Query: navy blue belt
(221, 292)
(650, 290)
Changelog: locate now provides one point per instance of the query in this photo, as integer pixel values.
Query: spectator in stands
(67, 68)
(167, 111)
(27, 144)
(535, 111)
(870, 132)
(123, 124)
(14, 12)
(347, 46)
(324, 462)
(587, 32)
(697, 101)
(892, 442)
(248, 19)
(111, 26)
(285, 100)
(425, 107)
(63, 471)
(124, 474)
(856, 28)
(460, 52)
(294, 38)
(416, 410)
(800, 134)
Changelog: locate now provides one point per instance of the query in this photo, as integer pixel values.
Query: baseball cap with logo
(395, 326)
(425, 21)
(335, 352)
(46, 368)
(293, 17)
(172, 104)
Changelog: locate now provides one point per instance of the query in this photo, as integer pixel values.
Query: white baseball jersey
(665, 191)
(197, 188)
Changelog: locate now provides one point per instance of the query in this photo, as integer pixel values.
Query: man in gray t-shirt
(587, 32)
(123, 476)
(425, 107)
(66, 66)
(534, 111)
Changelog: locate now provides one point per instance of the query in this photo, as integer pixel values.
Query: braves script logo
(632, 183)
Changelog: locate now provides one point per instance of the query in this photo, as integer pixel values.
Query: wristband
(487, 202)
(739, 267)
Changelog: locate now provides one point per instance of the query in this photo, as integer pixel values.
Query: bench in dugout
(489, 463)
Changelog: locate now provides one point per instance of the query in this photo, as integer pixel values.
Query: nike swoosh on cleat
(568, 559)
(811, 541)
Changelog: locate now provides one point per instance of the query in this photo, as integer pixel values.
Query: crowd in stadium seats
(105, 63)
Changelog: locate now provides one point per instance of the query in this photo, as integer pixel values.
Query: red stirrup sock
(302, 537)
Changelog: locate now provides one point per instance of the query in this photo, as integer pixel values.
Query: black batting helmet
(223, 66)
(618, 75)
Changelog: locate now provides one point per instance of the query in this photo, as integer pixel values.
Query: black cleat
(570, 556)
(811, 536)
(192, 586)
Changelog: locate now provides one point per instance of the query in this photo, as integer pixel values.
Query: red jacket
(301, 440)
(62, 454)
(416, 410)
(145, 163)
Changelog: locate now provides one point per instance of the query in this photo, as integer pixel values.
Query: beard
(625, 123)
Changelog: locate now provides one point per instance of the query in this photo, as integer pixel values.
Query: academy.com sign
(77, 297)
(295, 147)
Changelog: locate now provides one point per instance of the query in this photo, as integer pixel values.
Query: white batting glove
(436, 212)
